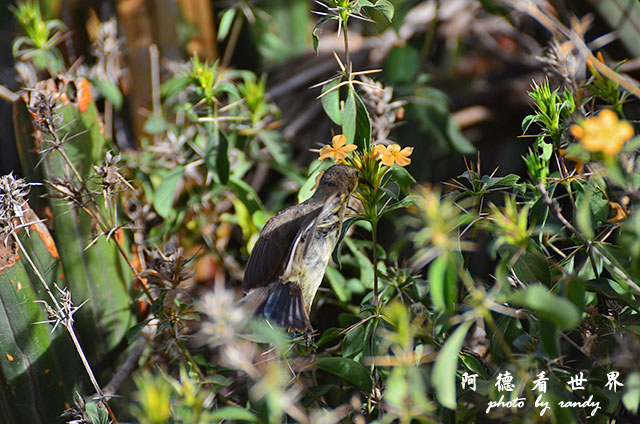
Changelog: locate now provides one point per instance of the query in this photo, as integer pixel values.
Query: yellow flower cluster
(392, 154)
(603, 133)
(388, 155)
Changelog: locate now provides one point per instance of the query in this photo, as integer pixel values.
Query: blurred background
(462, 66)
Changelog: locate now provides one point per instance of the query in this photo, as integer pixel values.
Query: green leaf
(443, 284)
(225, 23)
(232, 413)
(276, 145)
(386, 8)
(95, 414)
(222, 159)
(24, 393)
(617, 258)
(444, 370)
(548, 306)
(338, 284)
(530, 267)
(547, 150)
(174, 86)
(592, 208)
(156, 124)
(307, 189)
(165, 193)
(316, 31)
(328, 336)
(473, 364)
(109, 91)
(527, 121)
(366, 268)
(354, 341)
(349, 117)
(631, 395)
(402, 177)
(363, 123)
(402, 65)
(604, 287)
(409, 200)
(457, 139)
(97, 274)
(331, 101)
(211, 150)
(134, 332)
(345, 227)
(550, 338)
(347, 369)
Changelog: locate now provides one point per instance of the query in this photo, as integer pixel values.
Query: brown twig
(64, 315)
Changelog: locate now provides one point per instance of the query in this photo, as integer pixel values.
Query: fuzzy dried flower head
(393, 154)
(603, 133)
(167, 267)
(224, 317)
(44, 111)
(338, 149)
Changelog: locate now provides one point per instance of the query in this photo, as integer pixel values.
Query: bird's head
(338, 179)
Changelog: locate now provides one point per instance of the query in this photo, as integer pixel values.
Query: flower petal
(339, 140)
(394, 148)
(340, 154)
(406, 152)
(608, 117)
(576, 131)
(625, 130)
(380, 150)
(402, 161)
(326, 152)
(348, 148)
(387, 160)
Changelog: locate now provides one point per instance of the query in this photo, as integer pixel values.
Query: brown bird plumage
(289, 259)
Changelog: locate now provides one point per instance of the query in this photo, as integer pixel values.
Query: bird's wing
(273, 247)
(299, 251)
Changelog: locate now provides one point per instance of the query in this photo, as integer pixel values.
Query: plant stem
(67, 323)
(347, 58)
(233, 40)
(555, 208)
(374, 240)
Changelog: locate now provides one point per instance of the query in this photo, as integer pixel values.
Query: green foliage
(495, 274)
(552, 111)
(39, 45)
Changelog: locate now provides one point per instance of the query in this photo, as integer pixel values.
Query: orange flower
(603, 133)
(84, 95)
(393, 154)
(338, 149)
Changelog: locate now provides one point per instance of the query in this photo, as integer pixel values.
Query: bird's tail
(279, 304)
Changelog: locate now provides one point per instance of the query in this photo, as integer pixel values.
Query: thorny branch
(13, 203)
(557, 211)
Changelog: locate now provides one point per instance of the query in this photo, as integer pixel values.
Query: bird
(289, 259)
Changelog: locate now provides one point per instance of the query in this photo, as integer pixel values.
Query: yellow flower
(338, 149)
(393, 154)
(603, 133)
